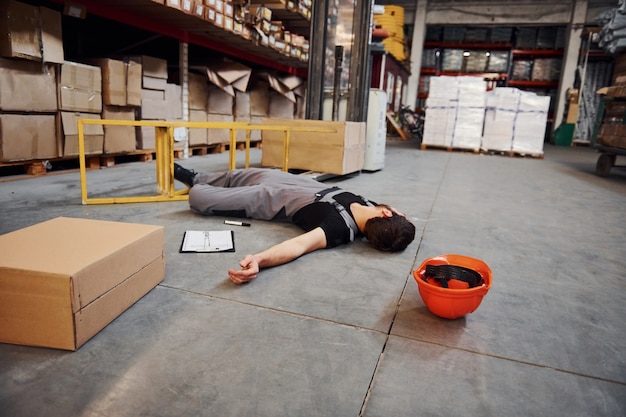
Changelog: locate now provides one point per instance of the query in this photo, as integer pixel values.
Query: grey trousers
(258, 193)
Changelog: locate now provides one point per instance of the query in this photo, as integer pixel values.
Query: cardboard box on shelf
(118, 139)
(94, 134)
(280, 106)
(242, 104)
(259, 99)
(80, 88)
(30, 32)
(113, 81)
(198, 91)
(153, 83)
(146, 137)
(27, 86)
(133, 83)
(198, 136)
(121, 81)
(27, 136)
(229, 76)
(174, 4)
(219, 135)
(75, 285)
(51, 36)
(174, 101)
(153, 105)
(341, 152)
(151, 66)
(219, 102)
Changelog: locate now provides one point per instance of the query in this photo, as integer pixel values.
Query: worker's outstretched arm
(278, 254)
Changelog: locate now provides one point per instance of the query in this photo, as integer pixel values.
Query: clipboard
(202, 241)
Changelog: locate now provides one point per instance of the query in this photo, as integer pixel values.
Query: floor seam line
(274, 309)
(519, 361)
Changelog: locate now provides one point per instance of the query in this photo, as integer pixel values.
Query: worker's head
(390, 232)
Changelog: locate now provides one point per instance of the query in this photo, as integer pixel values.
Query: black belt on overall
(327, 196)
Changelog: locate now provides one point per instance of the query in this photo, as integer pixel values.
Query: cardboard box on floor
(65, 279)
(342, 152)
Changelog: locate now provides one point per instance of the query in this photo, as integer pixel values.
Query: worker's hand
(249, 270)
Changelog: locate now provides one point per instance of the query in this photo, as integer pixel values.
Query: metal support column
(419, 34)
(317, 61)
(570, 60)
(360, 62)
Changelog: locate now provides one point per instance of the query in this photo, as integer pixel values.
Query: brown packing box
(174, 101)
(27, 86)
(51, 36)
(151, 66)
(118, 139)
(187, 6)
(281, 107)
(229, 76)
(219, 101)
(241, 133)
(198, 136)
(25, 137)
(26, 31)
(94, 134)
(242, 104)
(219, 135)
(146, 137)
(153, 105)
(113, 81)
(339, 153)
(259, 99)
(175, 4)
(198, 91)
(80, 88)
(66, 279)
(153, 83)
(133, 83)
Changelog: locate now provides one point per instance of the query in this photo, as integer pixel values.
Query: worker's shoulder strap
(328, 196)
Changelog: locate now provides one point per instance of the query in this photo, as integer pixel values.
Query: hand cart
(607, 158)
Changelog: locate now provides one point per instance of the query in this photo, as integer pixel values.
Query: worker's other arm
(278, 254)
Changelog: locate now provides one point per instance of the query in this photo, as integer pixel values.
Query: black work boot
(184, 175)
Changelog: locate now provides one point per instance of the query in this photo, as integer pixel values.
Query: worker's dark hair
(390, 234)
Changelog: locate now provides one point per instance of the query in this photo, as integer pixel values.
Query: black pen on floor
(234, 223)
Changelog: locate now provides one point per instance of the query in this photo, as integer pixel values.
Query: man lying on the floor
(329, 216)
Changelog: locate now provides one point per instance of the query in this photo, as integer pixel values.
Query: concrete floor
(344, 332)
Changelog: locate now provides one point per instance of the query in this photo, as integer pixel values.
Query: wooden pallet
(201, 150)
(425, 147)
(513, 154)
(109, 160)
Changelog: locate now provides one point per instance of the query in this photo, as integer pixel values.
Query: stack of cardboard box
(80, 97)
(121, 95)
(612, 131)
(31, 42)
(198, 100)
(160, 100)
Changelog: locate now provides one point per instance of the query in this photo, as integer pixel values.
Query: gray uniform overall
(264, 194)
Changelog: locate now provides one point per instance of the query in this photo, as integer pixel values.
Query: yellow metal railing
(164, 149)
